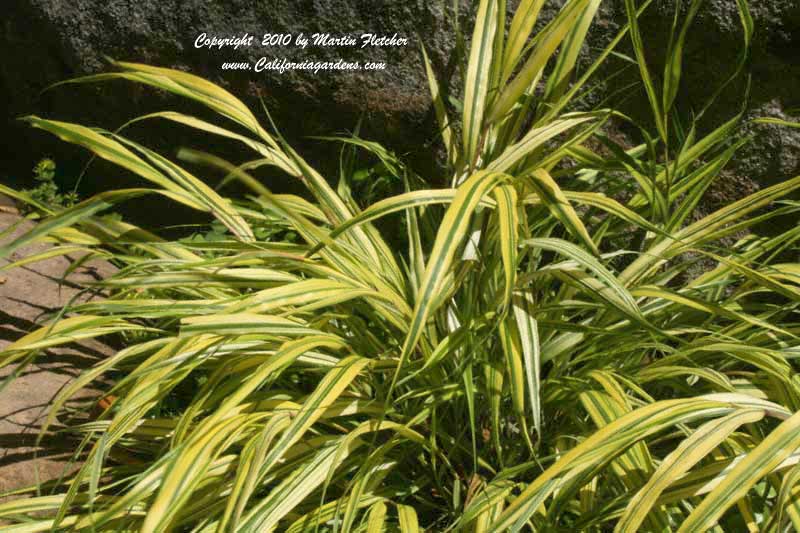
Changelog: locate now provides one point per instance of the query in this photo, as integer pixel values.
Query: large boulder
(712, 49)
(44, 41)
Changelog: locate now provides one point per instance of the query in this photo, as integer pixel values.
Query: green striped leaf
(691, 451)
(769, 453)
(478, 78)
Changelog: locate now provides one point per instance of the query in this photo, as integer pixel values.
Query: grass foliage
(542, 356)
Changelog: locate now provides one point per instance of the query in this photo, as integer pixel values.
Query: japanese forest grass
(538, 357)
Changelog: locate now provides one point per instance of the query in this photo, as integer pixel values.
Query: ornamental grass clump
(537, 356)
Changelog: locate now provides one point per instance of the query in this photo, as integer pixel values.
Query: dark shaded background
(44, 41)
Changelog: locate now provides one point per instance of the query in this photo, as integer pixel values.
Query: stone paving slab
(27, 295)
